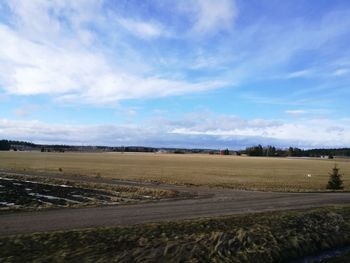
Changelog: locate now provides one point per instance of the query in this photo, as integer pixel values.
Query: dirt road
(209, 202)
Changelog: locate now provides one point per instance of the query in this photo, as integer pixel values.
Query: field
(279, 174)
(222, 224)
(35, 193)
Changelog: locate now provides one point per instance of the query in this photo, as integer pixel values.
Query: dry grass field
(280, 174)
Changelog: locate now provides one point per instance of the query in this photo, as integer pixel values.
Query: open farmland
(280, 174)
(221, 224)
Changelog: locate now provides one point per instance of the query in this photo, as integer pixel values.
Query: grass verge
(264, 237)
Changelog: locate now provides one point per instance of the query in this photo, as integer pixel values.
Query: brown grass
(229, 171)
(266, 237)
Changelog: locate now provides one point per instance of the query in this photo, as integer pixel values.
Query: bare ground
(207, 203)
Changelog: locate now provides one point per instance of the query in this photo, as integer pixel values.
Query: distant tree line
(260, 150)
(5, 145)
(269, 150)
(129, 149)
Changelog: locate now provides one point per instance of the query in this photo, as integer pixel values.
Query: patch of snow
(6, 179)
(45, 196)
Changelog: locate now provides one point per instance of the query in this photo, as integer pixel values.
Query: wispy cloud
(211, 16)
(143, 29)
(299, 74)
(276, 48)
(41, 54)
(296, 112)
(34, 63)
(341, 72)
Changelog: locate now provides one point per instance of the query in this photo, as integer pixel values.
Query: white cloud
(47, 20)
(142, 29)
(62, 133)
(48, 47)
(336, 129)
(307, 133)
(299, 74)
(207, 121)
(341, 72)
(296, 112)
(210, 16)
(39, 54)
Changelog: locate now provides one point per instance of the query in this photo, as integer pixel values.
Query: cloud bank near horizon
(189, 132)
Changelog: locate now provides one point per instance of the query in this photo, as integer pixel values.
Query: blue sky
(184, 73)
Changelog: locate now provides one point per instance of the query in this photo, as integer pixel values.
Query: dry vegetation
(280, 174)
(36, 193)
(266, 237)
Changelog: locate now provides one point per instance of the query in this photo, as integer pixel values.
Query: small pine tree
(335, 182)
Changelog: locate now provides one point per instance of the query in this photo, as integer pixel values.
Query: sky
(176, 73)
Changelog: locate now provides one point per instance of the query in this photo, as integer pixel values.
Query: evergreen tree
(5, 145)
(335, 182)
